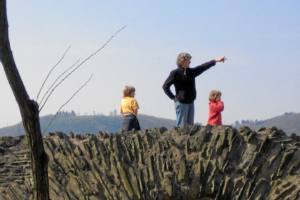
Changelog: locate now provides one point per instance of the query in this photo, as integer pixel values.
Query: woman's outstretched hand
(221, 59)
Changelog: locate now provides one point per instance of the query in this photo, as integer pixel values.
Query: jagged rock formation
(193, 162)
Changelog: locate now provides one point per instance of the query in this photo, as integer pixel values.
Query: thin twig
(56, 80)
(66, 103)
(78, 67)
(50, 73)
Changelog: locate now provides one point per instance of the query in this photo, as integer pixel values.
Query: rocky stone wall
(194, 162)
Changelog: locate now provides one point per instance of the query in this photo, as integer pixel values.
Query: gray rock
(193, 162)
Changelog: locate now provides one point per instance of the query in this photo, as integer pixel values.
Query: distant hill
(288, 122)
(68, 122)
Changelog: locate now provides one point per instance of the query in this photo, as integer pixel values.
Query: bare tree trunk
(29, 112)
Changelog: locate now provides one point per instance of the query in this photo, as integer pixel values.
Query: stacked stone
(193, 162)
(15, 171)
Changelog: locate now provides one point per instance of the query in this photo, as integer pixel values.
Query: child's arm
(218, 107)
(134, 106)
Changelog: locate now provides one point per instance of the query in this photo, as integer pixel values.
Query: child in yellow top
(129, 108)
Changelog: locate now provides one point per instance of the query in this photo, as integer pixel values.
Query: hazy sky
(261, 40)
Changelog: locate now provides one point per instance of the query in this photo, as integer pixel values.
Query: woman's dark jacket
(185, 87)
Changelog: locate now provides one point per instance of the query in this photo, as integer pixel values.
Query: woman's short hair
(182, 57)
(127, 90)
(214, 94)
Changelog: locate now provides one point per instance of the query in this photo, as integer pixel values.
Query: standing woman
(184, 80)
(129, 108)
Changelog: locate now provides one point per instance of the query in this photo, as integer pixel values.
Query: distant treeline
(288, 122)
(256, 122)
(71, 122)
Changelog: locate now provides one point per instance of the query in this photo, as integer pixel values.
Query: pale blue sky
(261, 40)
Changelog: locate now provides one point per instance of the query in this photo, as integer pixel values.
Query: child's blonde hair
(127, 90)
(214, 94)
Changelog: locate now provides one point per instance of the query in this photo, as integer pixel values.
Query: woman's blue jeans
(184, 113)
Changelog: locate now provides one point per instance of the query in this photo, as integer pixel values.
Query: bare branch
(66, 103)
(79, 66)
(50, 72)
(56, 80)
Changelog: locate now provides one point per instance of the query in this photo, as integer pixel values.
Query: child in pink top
(216, 106)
